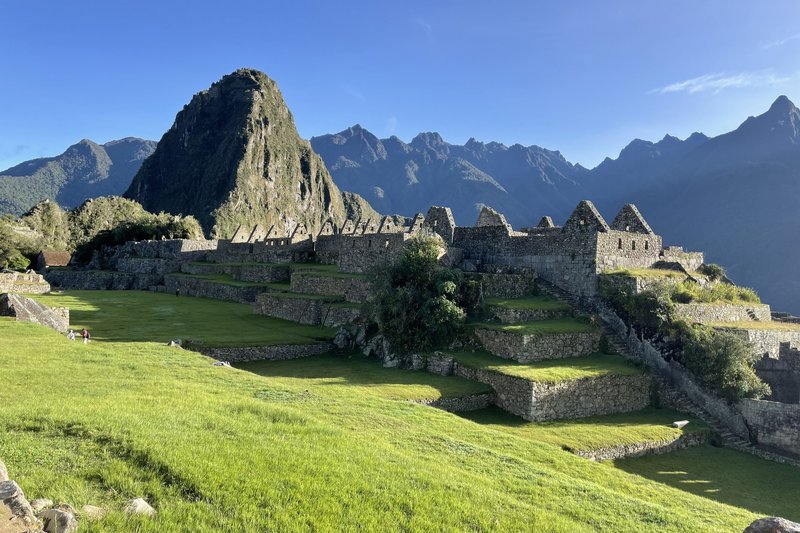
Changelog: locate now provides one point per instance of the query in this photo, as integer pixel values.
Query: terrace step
(539, 340)
(352, 288)
(552, 390)
(318, 310)
(527, 309)
(247, 272)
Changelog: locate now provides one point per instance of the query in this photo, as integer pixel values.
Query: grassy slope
(219, 449)
(541, 327)
(137, 316)
(648, 425)
(544, 303)
(551, 371)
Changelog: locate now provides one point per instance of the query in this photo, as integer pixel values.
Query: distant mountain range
(84, 170)
(734, 196)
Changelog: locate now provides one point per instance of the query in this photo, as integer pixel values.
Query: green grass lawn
(648, 425)
(223, 279)
(553, 370)
(544, 303)
(541, 327)
(303, 448)
(724, 475)
(141, 316)
(342, 374)
(330, 298)
(647, 273)
(767, 326)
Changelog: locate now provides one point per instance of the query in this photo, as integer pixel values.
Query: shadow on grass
(355, 369)
(726, 476)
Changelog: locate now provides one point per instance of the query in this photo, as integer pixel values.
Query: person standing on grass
(71, 335)
(85, 335)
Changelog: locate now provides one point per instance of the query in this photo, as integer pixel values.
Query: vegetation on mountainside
(421, 304)
(290, 446)
(719, 359)
(102, 221)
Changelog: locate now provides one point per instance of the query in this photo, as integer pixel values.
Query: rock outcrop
(233, 157)
(773, 524)
(27, 310)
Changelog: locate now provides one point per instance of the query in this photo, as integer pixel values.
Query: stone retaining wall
(463, 404)
(528, 348)
(510, 285)
(101, 280)
(705, 313)
(354, 290)
(241, 354)
(305, 311)
(774, 424)
(511, 393)
(208, 289)
(580, 398)
(767, 341)
(640, 449)
(249, 273)
(23, 283)
(26, 310)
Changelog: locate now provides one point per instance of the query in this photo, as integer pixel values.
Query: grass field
(767, 326)
(648, 425)
(545, 303)
(299, 446)
(541, 327)
(141, 316)
(647, 273)
(553, 370)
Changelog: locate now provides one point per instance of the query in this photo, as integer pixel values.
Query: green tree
(420, 303)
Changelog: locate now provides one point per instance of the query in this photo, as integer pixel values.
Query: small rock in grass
(773, 524)
(92, 512)
(41, 504)
(3, 472)
(220, 363)
(60, 520)
(175, 343)
(139, 506)
(680, 424)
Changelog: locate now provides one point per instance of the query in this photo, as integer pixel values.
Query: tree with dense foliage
(422, 304)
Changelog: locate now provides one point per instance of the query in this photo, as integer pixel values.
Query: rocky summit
(233, 157)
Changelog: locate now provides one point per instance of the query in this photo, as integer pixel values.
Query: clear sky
(583, 77)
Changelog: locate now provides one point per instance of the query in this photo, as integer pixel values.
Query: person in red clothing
(85, 335)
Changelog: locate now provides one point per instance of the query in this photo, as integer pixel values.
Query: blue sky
(581, 77)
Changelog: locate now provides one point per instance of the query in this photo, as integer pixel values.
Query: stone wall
(363, 253)
(528, 348)
(782, 375)
(511, 393)
(27, 310)
(590, 397)
(463, 404)
(675, 375)
(767, 341)
(101, 280)
(706, 313)
(508, 315)
(774, 424)
(641, 449)
(23, 283)
(306, 310)
(190, 286)
(355, 290)
(506, 285)
(279, 352)
(691, 261)
(252, 273)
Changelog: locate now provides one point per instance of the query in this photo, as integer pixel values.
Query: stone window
(619, 244)
(646, 245)
(633, 245)
(369, 243)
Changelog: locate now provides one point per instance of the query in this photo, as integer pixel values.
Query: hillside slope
(84, 170)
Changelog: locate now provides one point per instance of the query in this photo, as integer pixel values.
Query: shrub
(723, 361)
(420, 304)
(712, 271)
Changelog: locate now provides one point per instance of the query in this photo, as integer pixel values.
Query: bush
(723, 361)
(420, 304)
(712, 271)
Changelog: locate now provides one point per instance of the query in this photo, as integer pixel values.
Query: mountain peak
(782, 104)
